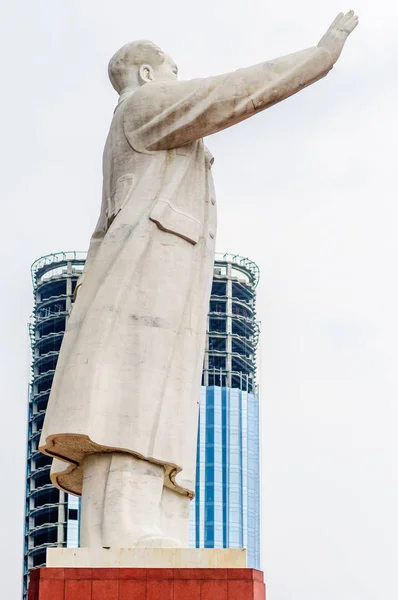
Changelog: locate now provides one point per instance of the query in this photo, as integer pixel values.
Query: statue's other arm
(164, 115)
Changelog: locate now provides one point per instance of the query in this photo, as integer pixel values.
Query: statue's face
(167, 71)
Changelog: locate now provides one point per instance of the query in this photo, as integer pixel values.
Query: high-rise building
(51, 516)
(226, 510)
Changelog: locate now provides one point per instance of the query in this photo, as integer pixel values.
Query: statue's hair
(132, 55)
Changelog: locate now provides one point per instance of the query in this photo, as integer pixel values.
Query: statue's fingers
(352, 23)
(337, 20)
(348, 16)
(344, 19)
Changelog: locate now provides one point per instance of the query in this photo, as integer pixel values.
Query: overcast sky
(307, 190)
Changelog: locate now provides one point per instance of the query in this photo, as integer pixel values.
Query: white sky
(306, 189)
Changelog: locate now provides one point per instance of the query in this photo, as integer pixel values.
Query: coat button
(213, 200)
(211, 235)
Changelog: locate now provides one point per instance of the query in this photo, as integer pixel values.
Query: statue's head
(138, 63)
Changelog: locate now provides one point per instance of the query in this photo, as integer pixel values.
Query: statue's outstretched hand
(337, 34)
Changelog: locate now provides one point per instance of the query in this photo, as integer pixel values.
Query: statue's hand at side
(337, 34)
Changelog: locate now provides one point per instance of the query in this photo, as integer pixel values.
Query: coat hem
(71, 449)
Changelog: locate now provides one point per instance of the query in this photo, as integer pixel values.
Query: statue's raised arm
(168, 113)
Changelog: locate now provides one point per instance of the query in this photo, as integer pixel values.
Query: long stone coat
(129, 371)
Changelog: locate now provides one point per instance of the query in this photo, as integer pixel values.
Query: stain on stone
(151, 321)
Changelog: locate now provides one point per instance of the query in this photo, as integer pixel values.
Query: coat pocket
(168, 218)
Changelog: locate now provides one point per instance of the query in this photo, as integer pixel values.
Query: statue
(121, 421)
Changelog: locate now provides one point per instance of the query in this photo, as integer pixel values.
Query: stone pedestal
(146, 574)
(146, 584)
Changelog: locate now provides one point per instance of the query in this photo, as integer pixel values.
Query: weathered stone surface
(155, 558)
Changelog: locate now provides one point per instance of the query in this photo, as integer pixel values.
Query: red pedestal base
(146, 584)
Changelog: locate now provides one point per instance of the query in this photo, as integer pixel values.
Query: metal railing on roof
(240, 261)
(47, 262)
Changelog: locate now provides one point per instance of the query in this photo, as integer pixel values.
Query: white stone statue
(122, 417)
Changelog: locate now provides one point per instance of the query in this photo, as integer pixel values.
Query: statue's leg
(174, 516)
(95, 474)
(121, 499)
(122, 504)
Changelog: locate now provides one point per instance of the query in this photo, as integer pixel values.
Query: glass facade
(226, 510)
